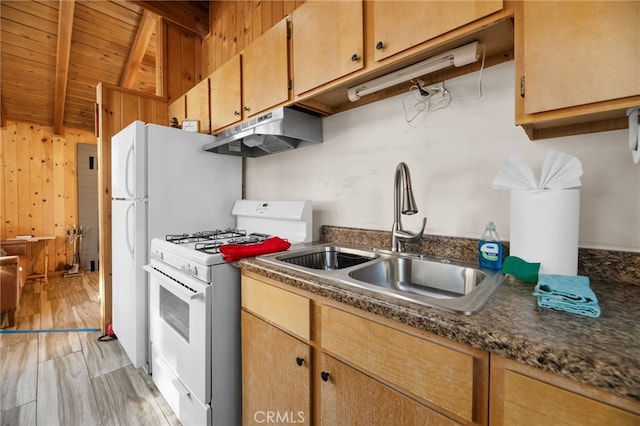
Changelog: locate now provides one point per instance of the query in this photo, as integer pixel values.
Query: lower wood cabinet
(276, 375)
(451, 380)
(307, 362)
(349, 397)
(523, 395)
(310, 360)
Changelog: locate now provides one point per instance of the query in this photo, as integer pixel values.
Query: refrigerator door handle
(127, 160)
(130, 243)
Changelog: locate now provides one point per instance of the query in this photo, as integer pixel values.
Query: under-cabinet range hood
(280, 130)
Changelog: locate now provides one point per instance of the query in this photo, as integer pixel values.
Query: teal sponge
(522, 270)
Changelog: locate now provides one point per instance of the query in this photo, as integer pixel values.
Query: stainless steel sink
(328, 258)
(436, 282)
(441, 280)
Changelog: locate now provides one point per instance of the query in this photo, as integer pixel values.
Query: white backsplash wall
(453, 155)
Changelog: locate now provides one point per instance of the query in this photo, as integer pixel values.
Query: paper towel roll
(545, 227)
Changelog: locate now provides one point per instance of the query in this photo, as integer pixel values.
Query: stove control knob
(188, 269)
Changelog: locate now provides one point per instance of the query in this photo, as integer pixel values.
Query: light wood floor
(70, 378)
(59, 303)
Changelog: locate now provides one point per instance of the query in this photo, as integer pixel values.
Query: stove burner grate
(203, 236)
(209, 247)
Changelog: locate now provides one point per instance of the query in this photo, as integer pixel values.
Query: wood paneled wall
(117, 108)
(39, 187)
(235, 24)
(181, 60)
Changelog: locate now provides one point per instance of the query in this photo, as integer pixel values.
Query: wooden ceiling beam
(65, 27)
(190, 15)
(145, 30)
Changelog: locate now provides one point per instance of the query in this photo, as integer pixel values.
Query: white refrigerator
(162, 182)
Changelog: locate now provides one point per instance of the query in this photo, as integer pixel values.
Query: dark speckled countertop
(603, 352)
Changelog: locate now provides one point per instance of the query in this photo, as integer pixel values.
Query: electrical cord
(424, 97)
(424, 102)
(484, 55)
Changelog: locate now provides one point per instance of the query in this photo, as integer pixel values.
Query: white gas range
(194, 309)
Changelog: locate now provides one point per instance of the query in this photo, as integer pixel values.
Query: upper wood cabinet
(197, 105)
(178, 109)
(226, 106)
(253, 81)
(265, 71)
(327, 42)
(399, 25)
(193, 105)
(577, 63)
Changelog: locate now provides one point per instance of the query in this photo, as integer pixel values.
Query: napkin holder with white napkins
(545, 214)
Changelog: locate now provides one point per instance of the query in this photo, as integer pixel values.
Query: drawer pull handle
(379, 45)
(324, 375)
(299, 361)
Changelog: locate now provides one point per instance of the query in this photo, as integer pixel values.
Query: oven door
(180, 329)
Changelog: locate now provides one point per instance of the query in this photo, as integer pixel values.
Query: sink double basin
(442, 283)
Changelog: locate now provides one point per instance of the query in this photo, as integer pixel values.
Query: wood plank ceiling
(54, 53)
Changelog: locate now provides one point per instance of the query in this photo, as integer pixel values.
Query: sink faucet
(398, 235)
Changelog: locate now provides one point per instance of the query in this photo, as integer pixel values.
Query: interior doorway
(87, 207)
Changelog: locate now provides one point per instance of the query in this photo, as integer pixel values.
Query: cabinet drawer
(344, 403)
(528, 401)
(442, 376)
(527, 396)
(287, 310)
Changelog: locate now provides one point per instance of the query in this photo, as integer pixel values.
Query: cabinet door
(275, 375)
(197, 103)
(327, 42)
(399, 25)
(391, 355)
(349, 397)
(225, 94)
(178, 109)
(265, 71)
(578, 53)
(520, 396)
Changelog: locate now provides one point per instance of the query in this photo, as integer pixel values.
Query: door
(129, 282)
(327, 42)
(265, 71)
(351, 397)
(276, 374)
(180, 328)
(88, 206)
(128, 162)
(580, 53)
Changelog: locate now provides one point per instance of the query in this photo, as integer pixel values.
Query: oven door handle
(176, 289)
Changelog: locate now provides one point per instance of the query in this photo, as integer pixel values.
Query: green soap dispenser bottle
(490, 248)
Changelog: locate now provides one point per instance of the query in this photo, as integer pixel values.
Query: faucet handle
(409, 236)
(419, 234)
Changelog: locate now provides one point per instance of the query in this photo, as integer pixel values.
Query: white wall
(453, 156)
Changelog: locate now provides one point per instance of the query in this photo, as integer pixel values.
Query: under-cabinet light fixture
(464, 55)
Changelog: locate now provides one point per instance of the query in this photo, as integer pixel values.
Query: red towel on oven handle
(233, 252)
